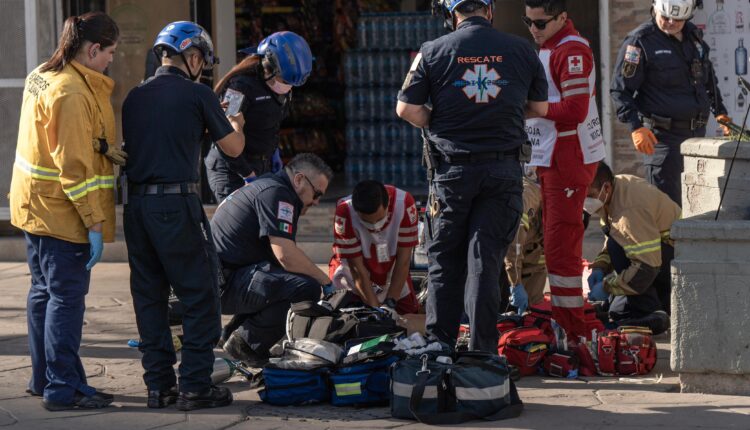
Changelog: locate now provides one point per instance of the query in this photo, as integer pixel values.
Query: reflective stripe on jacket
(639, 218)
(60, 185)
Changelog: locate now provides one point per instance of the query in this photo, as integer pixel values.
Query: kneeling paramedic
(481, 83)
(166, 230)
(632, 273)
(525, 270)
(375, 232)
(254, 230)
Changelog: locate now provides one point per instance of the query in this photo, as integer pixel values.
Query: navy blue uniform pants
(656, 298)
(168, 238)
(664, 168)
(54, 312)
(260, 296)
(222, 180)
(475, 210)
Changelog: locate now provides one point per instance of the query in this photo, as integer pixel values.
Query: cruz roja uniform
(669, 87)
(567, 145)
(259, 291)
(166, 230)
(478, 80)
(638, 251)
(525, 261)
(351, 238)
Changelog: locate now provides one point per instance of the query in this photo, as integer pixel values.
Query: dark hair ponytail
(95, 27)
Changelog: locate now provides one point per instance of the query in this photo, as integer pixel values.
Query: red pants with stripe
(563, 192)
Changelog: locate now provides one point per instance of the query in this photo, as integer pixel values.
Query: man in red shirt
(567, 146)
(375, 232)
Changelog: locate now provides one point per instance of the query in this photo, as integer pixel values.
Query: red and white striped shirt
(378, 249)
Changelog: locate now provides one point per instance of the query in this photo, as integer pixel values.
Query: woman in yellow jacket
(62, 197)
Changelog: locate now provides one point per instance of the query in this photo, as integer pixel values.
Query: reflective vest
(543, 132)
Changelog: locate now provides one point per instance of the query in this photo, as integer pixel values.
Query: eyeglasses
(316, 192)
(541, 24)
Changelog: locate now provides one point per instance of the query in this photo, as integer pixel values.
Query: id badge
(382, 251)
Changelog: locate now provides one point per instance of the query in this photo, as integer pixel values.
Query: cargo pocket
(264, 288)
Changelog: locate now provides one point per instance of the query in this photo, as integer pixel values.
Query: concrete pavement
(591, 403)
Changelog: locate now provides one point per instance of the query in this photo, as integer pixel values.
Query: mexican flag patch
(285, 227)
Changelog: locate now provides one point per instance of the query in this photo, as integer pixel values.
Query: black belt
(158, 189)
(479, 156)
(663, 123)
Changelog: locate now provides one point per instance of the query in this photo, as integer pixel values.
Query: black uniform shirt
(264, 110)
(245, 220)
(655, 75)
(163, 121)
(478, 80)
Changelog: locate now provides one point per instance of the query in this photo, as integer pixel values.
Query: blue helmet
(288, 55)
(451, 5)
(181, 35)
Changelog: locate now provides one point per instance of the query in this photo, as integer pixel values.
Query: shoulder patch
(285, 212)
(631, 60)
(339, 224)
(575, 64)
(412, 212)
(632, 54)
(285, 227)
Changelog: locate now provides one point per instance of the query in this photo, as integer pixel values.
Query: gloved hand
(389, 306)
(250, 178)
(276, 163)
(724, 118)
(596, 276)
(328, 288)
(97, 247)
(519, 298)
(644, 140)
(115, 155)
(597, 293)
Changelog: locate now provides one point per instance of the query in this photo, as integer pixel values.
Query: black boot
(240, 350)
(158, 399)
(96, 401)
(213, 397)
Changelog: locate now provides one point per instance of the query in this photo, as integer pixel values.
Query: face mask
(376, 226)
(592, 205)
(278, 87)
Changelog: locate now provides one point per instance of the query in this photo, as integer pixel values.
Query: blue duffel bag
(434, 390)
(362, 384)
(286, 387)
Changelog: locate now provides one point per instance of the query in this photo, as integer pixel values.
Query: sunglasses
(541, 24)
(316, 192)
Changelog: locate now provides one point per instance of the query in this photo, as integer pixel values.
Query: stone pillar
(710, 272)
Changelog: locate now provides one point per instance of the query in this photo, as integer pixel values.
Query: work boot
(240, 350)
(213, 397)
(96, 401)
(158, 399)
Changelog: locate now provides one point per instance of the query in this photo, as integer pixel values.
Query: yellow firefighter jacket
(60, 185)
(526, 252)
(639, 217)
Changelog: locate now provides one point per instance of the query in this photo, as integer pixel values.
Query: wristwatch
(390, 302)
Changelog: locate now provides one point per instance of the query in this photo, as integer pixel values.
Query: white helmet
(675, 9)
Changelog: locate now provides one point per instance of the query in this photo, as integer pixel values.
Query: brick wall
(625, 15)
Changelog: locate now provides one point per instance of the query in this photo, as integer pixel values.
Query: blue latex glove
(596, 276)
(97, 246)
(597, 293)
(276, 163)
(328, 288)
(519, 298)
